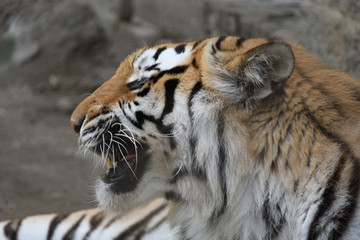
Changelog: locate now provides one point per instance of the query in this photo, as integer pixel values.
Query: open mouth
(126, 160)
(119, 170)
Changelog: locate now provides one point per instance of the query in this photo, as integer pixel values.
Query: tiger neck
(225, 177)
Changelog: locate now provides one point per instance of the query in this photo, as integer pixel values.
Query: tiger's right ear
(251, 75)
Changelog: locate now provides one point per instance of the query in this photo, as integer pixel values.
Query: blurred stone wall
(331, 29)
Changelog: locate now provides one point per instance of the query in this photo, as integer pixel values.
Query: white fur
(167, 59)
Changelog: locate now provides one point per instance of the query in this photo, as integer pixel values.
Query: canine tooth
(109, 162)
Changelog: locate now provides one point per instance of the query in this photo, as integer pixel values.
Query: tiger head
(171, 116)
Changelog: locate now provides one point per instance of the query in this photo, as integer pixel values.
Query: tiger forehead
(161, 58)
(165, 56)
(149, 64)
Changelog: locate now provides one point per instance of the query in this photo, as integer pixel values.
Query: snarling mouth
(126, 160)
(117, 168)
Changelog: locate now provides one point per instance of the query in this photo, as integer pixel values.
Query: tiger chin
(245, 138)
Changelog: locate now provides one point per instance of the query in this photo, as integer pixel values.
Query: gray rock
(330, 34)
(178, 19)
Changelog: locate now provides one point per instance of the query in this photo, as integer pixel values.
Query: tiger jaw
(126, 158)
(117, 167)
(125, 171)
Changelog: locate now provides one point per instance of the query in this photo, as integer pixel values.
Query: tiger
(240, 138)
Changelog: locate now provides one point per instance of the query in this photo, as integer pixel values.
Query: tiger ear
(250, 76)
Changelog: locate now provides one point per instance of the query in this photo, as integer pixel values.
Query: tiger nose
(76, 124)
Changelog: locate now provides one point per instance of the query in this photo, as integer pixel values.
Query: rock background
(54, 53)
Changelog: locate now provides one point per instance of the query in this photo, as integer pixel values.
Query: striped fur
(146, 222)
(245, 138)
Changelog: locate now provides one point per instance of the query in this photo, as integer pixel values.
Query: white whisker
(177, 172)
(127, 162)
(107, 151)
(134, 141)
(113, 159)
(117, 137)
(121, 145)
(167, 135)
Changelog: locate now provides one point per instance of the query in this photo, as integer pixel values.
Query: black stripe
(183, 231)
(174, 70)
(197, 87)
(213, 49)
(141, 117)
(158, 52)
(137, 226)
(275, 161)
(263, 153)
(142, 232)
(54, 223)
(296, 184)
(180, 48)
(182, 172)
(273, 226)
(168, 131)
(199, 172)
(70, 234)
(164, 129)
(94, 223)
(11, 229)
(144, 92)
(170, 87)
(172, 196)
(240, 41)
(152, 67)
(311, 148)
(196, 44)
(221, 173)
(194, 63)
(218, 42)
(133, 122)
(328, 197)
(343, 217)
